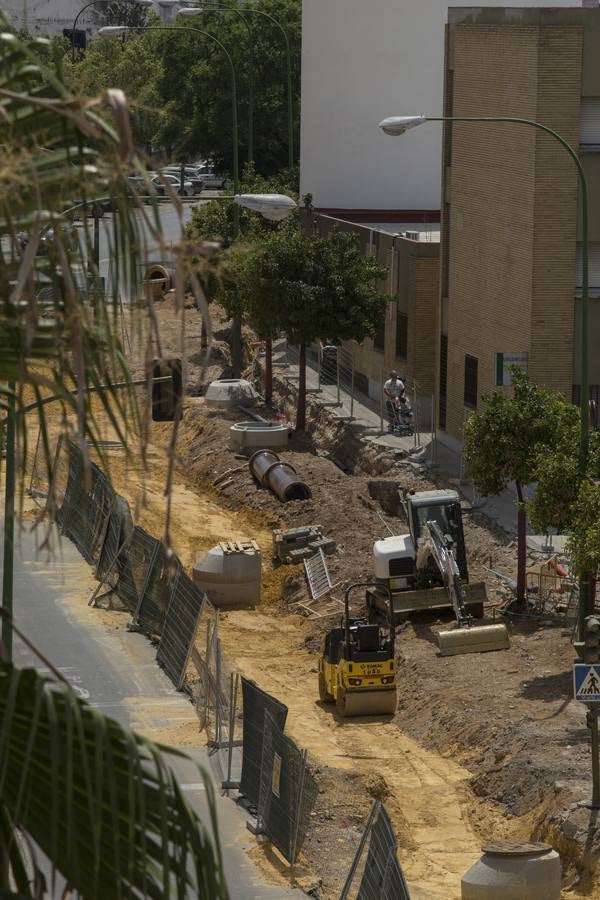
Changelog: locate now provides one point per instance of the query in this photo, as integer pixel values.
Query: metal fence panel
(133, 568)
(154, 594)
(383, 878)
(179, 627)
(118, 534)
(256, 702)
(287, 791)
(84, 513)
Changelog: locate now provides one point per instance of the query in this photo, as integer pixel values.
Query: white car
(210, 178)
(188, 187)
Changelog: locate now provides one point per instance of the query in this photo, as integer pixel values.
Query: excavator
(357, 670)
(427, 569)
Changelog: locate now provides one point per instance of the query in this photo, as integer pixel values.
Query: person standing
(394, 389)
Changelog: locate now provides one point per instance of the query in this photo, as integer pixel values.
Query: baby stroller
(400, 417)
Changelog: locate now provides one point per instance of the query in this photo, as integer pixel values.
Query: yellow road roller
(357, 670)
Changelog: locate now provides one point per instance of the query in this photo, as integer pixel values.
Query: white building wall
(52, 16)
(46, 16)
(363, 60)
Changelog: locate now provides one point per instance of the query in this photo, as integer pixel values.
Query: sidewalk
(357, 409)
(362, 415)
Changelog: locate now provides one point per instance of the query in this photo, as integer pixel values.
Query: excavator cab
(357, 670)
(443, 508)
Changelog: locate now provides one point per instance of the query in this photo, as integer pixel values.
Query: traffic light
(591, 640)
(167, 396)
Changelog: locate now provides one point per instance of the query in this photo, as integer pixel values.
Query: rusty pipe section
(280, 477)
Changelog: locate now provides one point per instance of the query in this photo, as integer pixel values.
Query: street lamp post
(200, 10)
(397, 125)
(251, 70)
(141, 3)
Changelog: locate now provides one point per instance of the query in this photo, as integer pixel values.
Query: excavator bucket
(476, 639)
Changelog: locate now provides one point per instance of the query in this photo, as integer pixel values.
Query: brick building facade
(509, 245)
(407, 339)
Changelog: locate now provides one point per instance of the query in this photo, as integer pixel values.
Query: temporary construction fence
(87, 502)
(163, 601)
(148, 580)
(257, 704)
(287, 791)
(382, 876)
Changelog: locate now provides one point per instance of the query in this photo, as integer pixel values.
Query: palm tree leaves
(57, 330)
(97, 799)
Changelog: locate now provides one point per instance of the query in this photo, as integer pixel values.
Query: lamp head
(272, 206)
(188, 11)
(108, 31)
(396, 125)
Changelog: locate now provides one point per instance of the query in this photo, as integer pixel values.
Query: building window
(589, 137)
(443, 380)
(594, 402)
(593, 268)
(401, 335)
(379, 337)
(471, 382)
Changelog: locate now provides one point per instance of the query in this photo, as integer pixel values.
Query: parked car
(139, 185)
(188, 188)
(210, 178)
(189, 174)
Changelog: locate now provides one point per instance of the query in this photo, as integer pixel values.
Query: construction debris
(297, 544)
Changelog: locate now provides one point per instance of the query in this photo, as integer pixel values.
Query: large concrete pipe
(511, 871)
(158, 280)
(278, 476)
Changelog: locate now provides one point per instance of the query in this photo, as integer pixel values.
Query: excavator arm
(446, 563)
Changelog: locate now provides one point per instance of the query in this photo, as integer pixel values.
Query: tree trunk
(203, 335)
(301, 412)
(268, 371)
(521, 545)
(592, 595)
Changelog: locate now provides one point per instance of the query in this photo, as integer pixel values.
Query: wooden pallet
(239, 545)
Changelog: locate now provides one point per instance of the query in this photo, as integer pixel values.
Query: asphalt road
(116, 672)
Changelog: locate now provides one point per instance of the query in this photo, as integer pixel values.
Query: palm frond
(58, 150)
(100, 801)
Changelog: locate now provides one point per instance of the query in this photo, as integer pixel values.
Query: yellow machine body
(358, 686)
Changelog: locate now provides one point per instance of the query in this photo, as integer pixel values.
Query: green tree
(506, 441)
(214, 221)
(121, 12)
(135, 66)
(183, 83)
(583, 535)
(98, 800)
(310, 288)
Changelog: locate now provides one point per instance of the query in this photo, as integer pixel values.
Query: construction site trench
(482, 747)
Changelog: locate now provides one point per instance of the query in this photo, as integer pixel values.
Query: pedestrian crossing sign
(586, 681)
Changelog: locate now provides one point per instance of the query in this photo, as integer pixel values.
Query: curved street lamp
(110, 31)
(397, 125)
(248, 28)
(190, 11)
(140, 3)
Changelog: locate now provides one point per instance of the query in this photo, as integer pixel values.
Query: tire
(323, 695)
(340, 701)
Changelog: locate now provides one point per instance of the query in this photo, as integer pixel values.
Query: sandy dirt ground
(481, 747)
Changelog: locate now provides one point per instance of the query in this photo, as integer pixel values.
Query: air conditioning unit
(412, 235)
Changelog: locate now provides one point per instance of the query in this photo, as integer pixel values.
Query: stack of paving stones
(296, 544)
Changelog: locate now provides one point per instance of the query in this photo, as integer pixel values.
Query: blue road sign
(586, 680)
